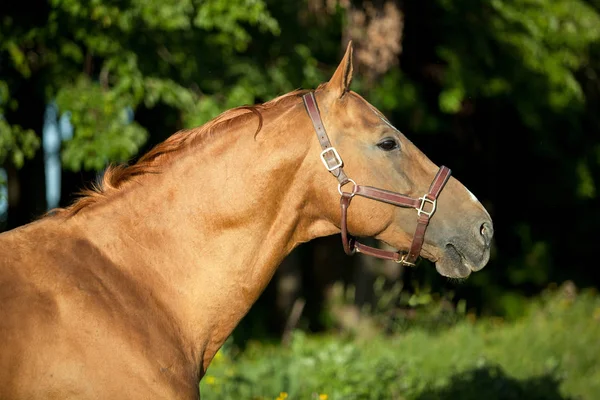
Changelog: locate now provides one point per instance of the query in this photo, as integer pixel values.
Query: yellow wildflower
(323, 396)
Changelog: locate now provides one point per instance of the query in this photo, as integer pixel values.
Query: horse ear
(342, 77)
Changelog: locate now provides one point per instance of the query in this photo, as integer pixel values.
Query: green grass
(551, 353)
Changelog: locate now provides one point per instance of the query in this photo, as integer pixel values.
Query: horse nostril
(487, 231)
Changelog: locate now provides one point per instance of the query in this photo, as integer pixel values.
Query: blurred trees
(513, 86)
(175, 65)
(505, 92)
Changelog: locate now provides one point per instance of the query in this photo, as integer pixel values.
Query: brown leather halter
(334, 164)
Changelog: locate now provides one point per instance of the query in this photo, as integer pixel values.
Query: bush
(551, 353)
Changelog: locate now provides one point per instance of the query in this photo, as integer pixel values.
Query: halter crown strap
(425, 205)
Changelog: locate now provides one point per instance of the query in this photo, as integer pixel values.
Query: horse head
(398, 195)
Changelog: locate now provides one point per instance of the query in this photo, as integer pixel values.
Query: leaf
(450, 100)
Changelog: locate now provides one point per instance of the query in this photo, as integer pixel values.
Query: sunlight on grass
(551, 353)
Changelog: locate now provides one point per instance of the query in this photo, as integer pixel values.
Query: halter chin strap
(425, 205)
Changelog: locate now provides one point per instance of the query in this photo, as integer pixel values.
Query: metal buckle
(424, 200)
(336, 156)
(402, 261)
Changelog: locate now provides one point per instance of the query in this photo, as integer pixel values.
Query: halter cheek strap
(329, 156)
(425, 205)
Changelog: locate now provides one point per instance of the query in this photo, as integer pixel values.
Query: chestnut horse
(130, 292)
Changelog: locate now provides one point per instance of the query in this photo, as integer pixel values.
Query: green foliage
(550, 353)
(586, 188)
(99, 58)
(227, 16)
(104, 132)
(395, 309)
(16, 144)
(398, 95)
(517, 48)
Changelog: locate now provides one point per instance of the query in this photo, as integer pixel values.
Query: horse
(131, 290)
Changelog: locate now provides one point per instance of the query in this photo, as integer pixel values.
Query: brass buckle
(336, 157)
(421, 209)
(402, 261)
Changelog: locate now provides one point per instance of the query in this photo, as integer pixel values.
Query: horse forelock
(152, 162)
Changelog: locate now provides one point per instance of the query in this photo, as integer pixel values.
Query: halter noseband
(334, 164)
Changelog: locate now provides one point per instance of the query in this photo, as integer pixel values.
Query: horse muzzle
(462, 255)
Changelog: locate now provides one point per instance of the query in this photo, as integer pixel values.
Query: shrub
(550, 353)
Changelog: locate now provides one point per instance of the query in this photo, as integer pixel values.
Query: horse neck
(208, 232)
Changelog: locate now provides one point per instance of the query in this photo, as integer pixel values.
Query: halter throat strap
(425, 206)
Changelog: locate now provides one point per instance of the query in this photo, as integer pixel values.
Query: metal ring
(353, 192)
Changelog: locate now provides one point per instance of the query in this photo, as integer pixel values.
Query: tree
(101, 60)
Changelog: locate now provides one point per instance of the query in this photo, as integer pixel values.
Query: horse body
(136, 308)
(131, 292)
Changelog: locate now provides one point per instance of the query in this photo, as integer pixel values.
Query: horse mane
(116, 175)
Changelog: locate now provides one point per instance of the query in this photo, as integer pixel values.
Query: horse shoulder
(71, 318)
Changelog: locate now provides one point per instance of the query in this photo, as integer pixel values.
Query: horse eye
(388, 144)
